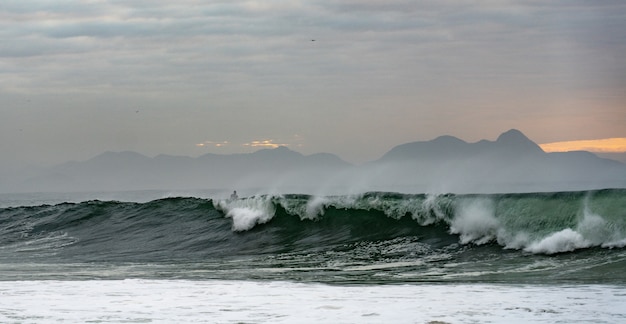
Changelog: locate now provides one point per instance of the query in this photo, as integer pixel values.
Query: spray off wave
(538, 222)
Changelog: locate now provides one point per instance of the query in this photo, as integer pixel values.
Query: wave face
(382, 237)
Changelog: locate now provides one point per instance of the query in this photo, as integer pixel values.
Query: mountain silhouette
(509, 144)
(133, 171)
(511, 163)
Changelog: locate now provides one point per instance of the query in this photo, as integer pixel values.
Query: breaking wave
(186, 228)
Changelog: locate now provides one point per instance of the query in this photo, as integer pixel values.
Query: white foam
(592, 230)
(425, 212)
(475, 221)
(566, 240)
(216, 301)
(615, 244)
(315, 207)
(597, 230)
(248, 212)
(517, 241)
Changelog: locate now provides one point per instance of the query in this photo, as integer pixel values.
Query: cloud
(214, 144)
(264, 143)
(249, 69)
(261, 39)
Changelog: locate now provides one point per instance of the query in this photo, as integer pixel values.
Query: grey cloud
(63, 7)
(426, 62)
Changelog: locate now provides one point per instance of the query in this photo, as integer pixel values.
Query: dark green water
(566, 237)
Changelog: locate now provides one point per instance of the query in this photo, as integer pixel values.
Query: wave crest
(545, 223)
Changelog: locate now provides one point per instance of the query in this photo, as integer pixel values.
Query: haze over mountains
(512, 163)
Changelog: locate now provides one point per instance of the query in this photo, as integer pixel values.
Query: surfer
(234, 196)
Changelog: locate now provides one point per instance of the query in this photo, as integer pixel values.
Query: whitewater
(164, 257)
(216, 301)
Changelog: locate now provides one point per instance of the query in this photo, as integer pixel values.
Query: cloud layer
(81, 77)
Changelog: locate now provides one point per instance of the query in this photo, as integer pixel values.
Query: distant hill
(620, 157)
(511, 163)
(509, 144)
(134, 171)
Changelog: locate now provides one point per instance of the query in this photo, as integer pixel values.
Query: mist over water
(512, 163)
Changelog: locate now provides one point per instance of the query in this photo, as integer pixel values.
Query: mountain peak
(447, 139)
(513, 138)
(512, 135)
(509, 143)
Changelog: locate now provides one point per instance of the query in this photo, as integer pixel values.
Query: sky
(352, 78)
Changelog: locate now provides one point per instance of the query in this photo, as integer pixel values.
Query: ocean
(374, 257)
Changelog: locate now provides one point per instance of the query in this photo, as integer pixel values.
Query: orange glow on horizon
(211, 143)
(260, 143)
(264, 143)
(605, 145)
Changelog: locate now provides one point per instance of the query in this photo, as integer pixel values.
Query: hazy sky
(349, 77)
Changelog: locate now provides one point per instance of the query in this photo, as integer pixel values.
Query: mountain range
(512, 163)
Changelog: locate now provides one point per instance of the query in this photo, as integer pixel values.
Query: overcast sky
(348, 77)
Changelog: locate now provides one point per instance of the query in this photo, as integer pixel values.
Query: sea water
(368, 258)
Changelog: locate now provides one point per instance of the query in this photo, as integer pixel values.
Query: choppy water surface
(534, 256)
